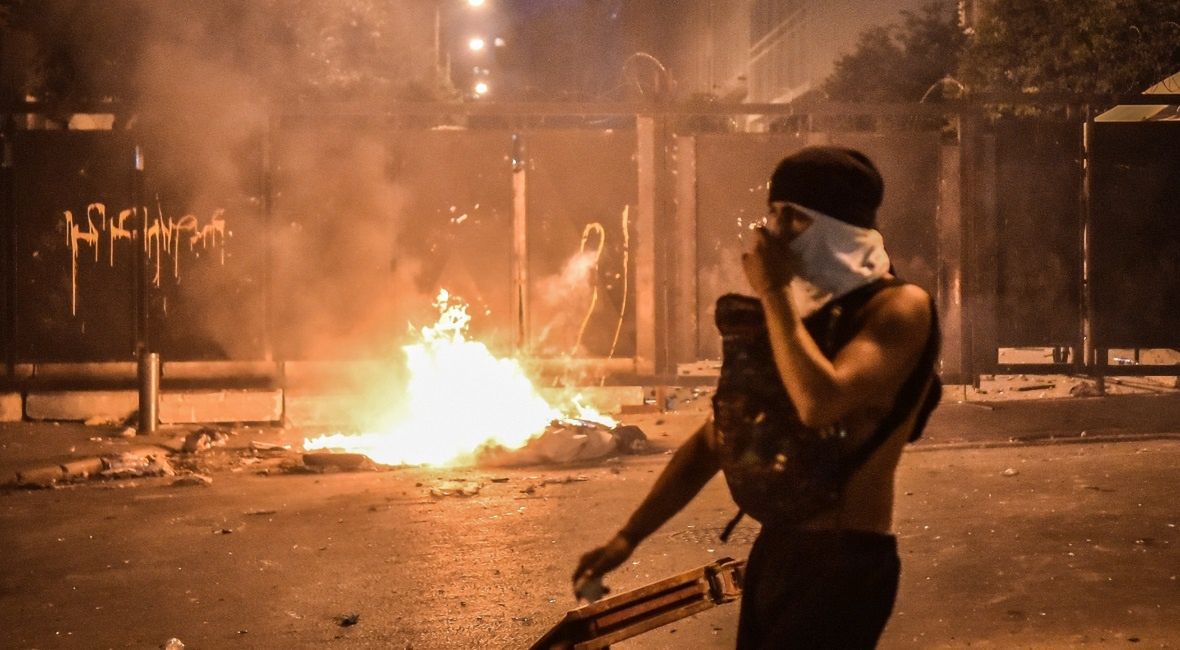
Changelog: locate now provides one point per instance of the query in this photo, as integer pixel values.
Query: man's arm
(691, 467)
(683, 477)
(867, 372)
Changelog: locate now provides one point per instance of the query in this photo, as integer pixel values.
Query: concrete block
(12, 407)
(39, 475)
(305, 409)
(81, 405)
(82, 467)
(190, 407)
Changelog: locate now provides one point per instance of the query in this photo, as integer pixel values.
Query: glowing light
(476, 44)
(482, 88)
(459, 401)
(475, 3)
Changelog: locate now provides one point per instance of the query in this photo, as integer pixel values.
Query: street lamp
(481, 88)
(442, 60)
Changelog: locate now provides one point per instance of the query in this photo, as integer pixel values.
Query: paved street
(1013, 545)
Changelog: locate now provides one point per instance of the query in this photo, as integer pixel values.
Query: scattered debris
(173, 644)
(256, 445)
(629, 439)
(136, 465)
(101, 421)
(499, 479)
(1031, 387)
(258, 513)
(1011, 471)
(204, 439)
(193, 480)
(456, 488)
(128, 432)
(348, 620)
(223, 531)
(569, 440)
(565, 479)
(1085, 389)
(341, 462)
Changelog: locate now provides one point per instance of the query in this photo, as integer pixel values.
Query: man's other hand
(603, 559)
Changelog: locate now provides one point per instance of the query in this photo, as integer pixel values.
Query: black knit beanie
(839, 182)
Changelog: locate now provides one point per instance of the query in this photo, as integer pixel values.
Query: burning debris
(464, 406)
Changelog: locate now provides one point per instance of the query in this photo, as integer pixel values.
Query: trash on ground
(1085, 389)
(342, 462)
(456, 489)
(193, 480)
(1011, 471)
(348, 620)
(204, 439)
(570, 440)
(268, 446)
(136, 465)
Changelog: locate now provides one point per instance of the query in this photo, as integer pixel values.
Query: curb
(79, 468)
(1043, 441)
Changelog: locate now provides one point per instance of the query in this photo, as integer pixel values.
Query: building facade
(766, 51)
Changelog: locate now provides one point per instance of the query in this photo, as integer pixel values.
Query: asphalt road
(1046, 546)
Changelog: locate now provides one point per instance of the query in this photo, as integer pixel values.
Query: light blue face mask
(832, 258)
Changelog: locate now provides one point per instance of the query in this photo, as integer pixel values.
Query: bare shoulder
(899, 312)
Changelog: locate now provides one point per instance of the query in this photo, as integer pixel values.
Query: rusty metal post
(685, 327)
(148, 373)
(645, 246)
(147, 362)
(8, 255)
(950, 265)
(520, 247)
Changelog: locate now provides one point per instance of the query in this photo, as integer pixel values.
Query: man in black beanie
(825, 376)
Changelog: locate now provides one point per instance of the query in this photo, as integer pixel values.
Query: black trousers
(817, 589)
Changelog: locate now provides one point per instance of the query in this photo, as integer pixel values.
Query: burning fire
(459, 400)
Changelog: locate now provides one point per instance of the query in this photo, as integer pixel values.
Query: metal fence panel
(581, 214)
(207, 243)
(1038, 256)
(1135, 235)
(75, 251)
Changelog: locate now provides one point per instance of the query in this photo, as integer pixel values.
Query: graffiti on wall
(164, 237)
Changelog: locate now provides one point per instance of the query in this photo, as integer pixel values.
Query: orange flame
(459, 399)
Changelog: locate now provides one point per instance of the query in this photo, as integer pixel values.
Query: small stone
(1011, 471)
(193, 480)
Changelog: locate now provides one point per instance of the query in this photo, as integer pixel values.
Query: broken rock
(136, 465)
(204, 439)
(341, 462)
(456, 488)
(193, 480)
